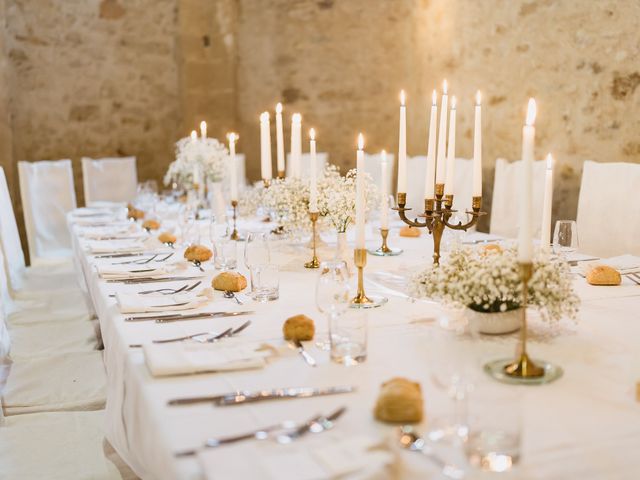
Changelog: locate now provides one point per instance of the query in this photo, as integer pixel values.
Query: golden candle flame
(264, 117)
(312, 134)
(194, 135)
(278, 107)
(531, 112)
(444, 86)
(478, 98)
(402, 98)
(360, 141)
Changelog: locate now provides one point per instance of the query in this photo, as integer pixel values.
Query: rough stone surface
(116, 77)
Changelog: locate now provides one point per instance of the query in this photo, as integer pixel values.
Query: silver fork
(634, 277)
(137, 262)
(171, 291)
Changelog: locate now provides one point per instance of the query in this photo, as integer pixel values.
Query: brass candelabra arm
(402, 201)
(475, 213)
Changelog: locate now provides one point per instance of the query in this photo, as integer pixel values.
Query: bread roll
(491, 248)
(135, 214)
(604, 275)
(400, 401)
(409, 232)
(298, 327)
(166, 237)
(151, 225)
(229, 282)
(198, 253)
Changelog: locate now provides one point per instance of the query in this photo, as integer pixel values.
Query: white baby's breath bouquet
(489, 282)
(210, 155)
(337, 196)
(251, 199)
(287, 200)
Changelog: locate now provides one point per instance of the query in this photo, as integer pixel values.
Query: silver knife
(120, 255)
(133, 281)
(281, 393)
(307, 358)
(191, 316)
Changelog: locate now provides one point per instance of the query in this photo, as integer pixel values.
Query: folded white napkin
(183, 358)
(134, 303)
(316, 457)
(117, 235)
(121, 272)
(117, 246)
(90, 212)
(623, 263)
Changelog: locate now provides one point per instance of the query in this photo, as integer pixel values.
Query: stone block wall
(116, 77)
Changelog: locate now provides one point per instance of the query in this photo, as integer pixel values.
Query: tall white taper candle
(477, 148)
(296, 144)
(265, 146)
(233, 138)
(442, 137)
(279, 139)
(313, 173)
(402, 146)
(384, 191)
(545, 234)
(360, 194)
(525, 245)
(450, 178)
(431, 150)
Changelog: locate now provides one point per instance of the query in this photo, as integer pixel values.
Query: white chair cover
(47, 195)
(322, 159)
(71, 381)
(55, 446)
(9, 236)
(462, 188)
(609, 209)
(372, 167)
(53, 338)
(109, 179)
(505, 209)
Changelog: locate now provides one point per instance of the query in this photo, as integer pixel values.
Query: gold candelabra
(281, 174)
(384, 250)
(234, 233)
(523, 366)
(437, 213)
(314, 262)
(362, 300)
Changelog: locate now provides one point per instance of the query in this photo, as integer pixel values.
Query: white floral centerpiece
(489, 281)
(337, 196)
(251, 199)
(287, 200)
(208, 154)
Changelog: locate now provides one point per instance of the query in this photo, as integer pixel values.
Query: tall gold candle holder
(281, 174)
(234, 234)
(437, 213)
(522, 369)
(314, 262)
(362, 300)
(384, 250)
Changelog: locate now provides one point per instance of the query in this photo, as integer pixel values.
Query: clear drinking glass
(265, 283)
(186, 222)
(225, 253)
(348, 334)
(256, 249)
(495, 425)
(333, 293)
(565, 237)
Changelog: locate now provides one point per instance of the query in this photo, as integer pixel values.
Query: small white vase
(495, 323)
(342, 249)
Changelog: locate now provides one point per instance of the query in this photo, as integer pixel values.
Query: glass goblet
(333, 293)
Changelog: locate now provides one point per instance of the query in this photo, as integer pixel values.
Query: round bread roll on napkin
(604, 275)
(166, 237)
(151, 225)
(409, 232)
(299, 327)
(491, 248)
(400, 401)
(229, 282)
(198, 253)
(135, 214)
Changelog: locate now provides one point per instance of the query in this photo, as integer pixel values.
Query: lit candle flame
(549, 162)
(360, 141)
(434, 98)
(232, 137)
(296, 117)
(264, 117)
(278, 107)
(478, 98)
(312, 134)
(383, 155)
(203, 125)
(444, 86)
(402, 98)
(531, 112)
(194, 135)
(453, 103)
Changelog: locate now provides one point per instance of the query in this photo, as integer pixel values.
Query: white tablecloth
(585, 425)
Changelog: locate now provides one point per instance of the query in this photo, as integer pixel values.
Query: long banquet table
(585, 425)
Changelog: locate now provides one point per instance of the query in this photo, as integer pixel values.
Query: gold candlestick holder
(437, 213)
(522, 369)
(314, 262)
(362, 300)
(384, 250)
(281, 174)
(234, 234)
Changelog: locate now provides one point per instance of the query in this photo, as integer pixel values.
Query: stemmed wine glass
(333, 293)
(565, 237)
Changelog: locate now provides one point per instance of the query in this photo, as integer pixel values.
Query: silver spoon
(410, 440)
(230, 294)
